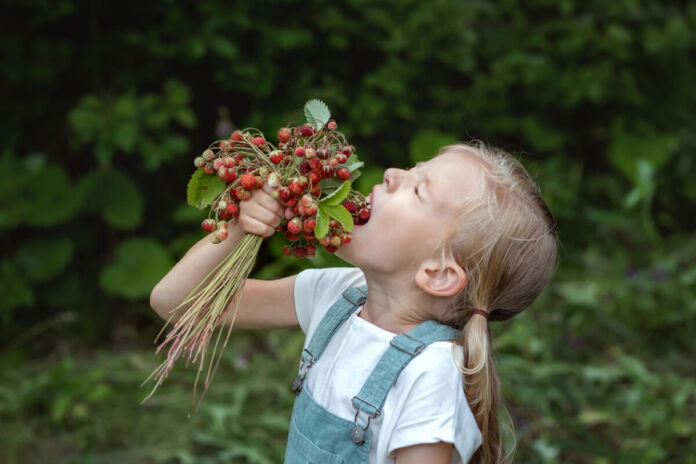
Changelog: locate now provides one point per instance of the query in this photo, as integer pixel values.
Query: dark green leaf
(203, 189)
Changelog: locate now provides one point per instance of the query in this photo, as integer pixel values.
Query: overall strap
(337, 314)
(403, 348)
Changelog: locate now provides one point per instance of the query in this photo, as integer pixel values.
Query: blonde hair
(504, 238)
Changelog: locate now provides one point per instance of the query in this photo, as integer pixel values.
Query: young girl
(397, 364)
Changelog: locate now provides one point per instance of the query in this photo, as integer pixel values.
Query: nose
(393, 178)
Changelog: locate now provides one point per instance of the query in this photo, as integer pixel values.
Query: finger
(254, 226)
(261, 213)
(270, 203)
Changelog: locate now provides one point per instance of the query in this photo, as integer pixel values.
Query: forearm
(191, 269)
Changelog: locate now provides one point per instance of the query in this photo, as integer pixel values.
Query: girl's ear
(438, 280)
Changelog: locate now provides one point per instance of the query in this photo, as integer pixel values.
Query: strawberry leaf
(353, 163)
(203, 189)
(341, 214)
(317, 113)
(337, 196)
(322, 226)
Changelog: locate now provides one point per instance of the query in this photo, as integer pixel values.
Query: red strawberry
(232, 209)
(284, 134)
(327, 171)
(236, 135)
(331, 125)
(295, 225)
(290, 202)
(314, 177)
(286, 250)
(242, 193)
(258, 141)
(285, 193)
(307, 130)
(248, 182)
(209, 225)
(350, 206)
(259, 181)
(300, 151)
(309, 224)
(343, 173)
(299, 252)
(364, 214)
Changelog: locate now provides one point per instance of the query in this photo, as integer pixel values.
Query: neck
(393, 307)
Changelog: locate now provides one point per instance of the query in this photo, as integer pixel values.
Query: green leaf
(341, 214)
(322, 226)
(317, 113)
(114, 195)
(140, 263)
(203, 189)
(44, 258)
(337, 196)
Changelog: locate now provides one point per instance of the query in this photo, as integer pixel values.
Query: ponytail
(482, 388)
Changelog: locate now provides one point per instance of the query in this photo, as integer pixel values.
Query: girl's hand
(261, 214)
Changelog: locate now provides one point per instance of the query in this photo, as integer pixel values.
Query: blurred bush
(107, 104)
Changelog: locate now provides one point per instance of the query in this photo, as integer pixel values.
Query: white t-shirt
(426, 404)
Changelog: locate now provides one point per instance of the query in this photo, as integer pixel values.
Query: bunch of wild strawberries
(294, 169)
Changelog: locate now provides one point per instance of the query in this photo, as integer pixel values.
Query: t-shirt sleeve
(317, 289)
(436, 410)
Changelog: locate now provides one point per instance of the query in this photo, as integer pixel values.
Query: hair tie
(481, 312)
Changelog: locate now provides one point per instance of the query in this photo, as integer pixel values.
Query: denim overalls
(316, 435)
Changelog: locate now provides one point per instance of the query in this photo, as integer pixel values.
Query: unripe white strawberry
(221, 234)
(199, 162)
(222, 205)
(273, 180)
(306, 200)
(222, 225)
(208, 155)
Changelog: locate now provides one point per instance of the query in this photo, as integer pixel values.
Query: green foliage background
(107, 103)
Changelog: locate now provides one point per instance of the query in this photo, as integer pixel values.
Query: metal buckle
(377, 411)
(358, 432)
(415, 353)
(304, 367)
